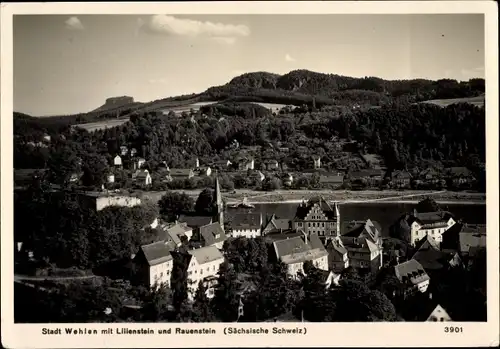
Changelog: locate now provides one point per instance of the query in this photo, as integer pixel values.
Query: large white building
(154, 263)
(204, 264)
(248, 225)
(417, 226)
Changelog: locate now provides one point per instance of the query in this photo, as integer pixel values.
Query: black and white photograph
(274, 169)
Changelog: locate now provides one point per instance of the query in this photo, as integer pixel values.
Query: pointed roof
(217, 194)
(439, 314)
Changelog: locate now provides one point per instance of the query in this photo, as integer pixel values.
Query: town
(168, 174)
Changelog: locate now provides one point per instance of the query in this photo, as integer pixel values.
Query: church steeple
(219, 205)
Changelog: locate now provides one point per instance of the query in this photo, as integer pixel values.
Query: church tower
(336, 210)
(218, 204)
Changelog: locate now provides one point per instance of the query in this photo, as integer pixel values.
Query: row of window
(201, 270)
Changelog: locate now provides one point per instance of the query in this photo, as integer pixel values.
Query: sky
(67, 64)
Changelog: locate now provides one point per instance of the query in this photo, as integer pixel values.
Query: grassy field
(478, 101)
(99, 125)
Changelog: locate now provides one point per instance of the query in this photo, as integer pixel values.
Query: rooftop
(157, 252)
(206, 254)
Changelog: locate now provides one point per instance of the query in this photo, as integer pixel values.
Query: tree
(355, 302)
(427, 205)
(271, 183)
(155, 305)
(204, 203)
(95, 169)
(226, 299)
(172, 204)
(202, 311)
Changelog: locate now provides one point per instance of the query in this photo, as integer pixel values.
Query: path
(21, 278)
(394, 197)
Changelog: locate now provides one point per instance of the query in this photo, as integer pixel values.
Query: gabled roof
(141, 174)
(369, 229)
(299, 249)
(469, 240)
(274, 224)
(195, 221)
(430, 218)
(367, 173)
(212, 233)
(304, 208)
(430, 256)
(459, 171)
(401, 175)
(337, 245)
(439, 314)
(176, 231)
(338, 179)
(246, 221)
(206, 254)
(157, 252)
(180, 172)
(411, 271)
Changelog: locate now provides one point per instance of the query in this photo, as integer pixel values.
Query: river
(385, 213)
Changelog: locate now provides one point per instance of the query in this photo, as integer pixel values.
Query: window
(201, 271)
(299, 224)
(196, 271)
(309, 225)
(323, 224)
(208, 269)
(161, 274)
(190, 272)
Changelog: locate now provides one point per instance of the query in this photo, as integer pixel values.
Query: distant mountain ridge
(297, 87)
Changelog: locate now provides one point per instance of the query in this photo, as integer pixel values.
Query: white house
(154, 263)
(413, 276)
(432, 224)
(246, 224)
(138, 163)
(203, 266)
(439, 315)
(117, 161)
(142, 177)
(294, 251)
(110, 178)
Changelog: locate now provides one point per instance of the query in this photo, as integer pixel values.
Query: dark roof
(368, 228)
(206, 254)
(304, 208)
(157, 252)
(210, 232)
(411, 270)
(367, 173)
(195, 221)
(401, 175)
(271, 161)
(439, 217)
(246, 221)
(459, 171)
(299, 249)
(180, 172)
(276, 225)
(337, 246)
(430, 256)
(331, 179)
(451, 237)
(469, 240)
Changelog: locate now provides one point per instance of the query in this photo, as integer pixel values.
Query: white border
(321, 334)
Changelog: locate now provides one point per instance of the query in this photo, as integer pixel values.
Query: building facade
(318, 217)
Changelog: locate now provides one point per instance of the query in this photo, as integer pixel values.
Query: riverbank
(294, 196)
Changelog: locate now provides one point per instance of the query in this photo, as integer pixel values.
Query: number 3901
(450, 329)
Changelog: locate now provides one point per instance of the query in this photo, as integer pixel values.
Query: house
(459, 175)
(439, 315)
(287, 179)
(270, 165)
(246, 164)
(195, 222)
(211, 235)
(139, 163)
(275, 225)
(316, 162)
(24, 177)
(222, 164)
(203, 265)
(401, 179)
(429, 175)
(317, 216)
(46, 138)
(295, 251)
(248, 225)
(370, 177)
(472, 237)
(338, 258)
(142, 177)
(133, 152)
(412, 276)
(333, 181)
(203, 171)
(110, 178)
(419, 225)
(177, 233)
(363, 242)
(154, 263)
(179, 174)
(75, 177)
(123, 150)
(117, 161)
(430, 256)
